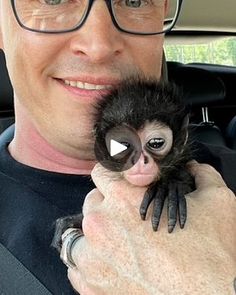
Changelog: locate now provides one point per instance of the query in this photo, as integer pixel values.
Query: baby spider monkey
(156, 114)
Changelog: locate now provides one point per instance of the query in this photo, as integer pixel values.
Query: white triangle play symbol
(116, 147)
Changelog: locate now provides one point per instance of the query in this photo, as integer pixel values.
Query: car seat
(231, 133)
(6, 96)
(201, 89)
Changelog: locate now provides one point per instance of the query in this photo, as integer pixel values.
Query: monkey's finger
(172, 207)
(182, 206)
(159, 201)
(148, 197)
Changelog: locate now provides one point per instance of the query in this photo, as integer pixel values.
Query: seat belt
(16, 279)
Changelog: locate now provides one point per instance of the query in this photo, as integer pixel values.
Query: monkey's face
(156, 140)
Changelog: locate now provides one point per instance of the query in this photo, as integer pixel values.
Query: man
(56, 80)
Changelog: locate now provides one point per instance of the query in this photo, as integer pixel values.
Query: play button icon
(119, 150)
(116, 147)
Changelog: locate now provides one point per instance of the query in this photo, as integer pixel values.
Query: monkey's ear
(184, 129)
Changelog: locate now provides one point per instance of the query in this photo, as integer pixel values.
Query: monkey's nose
(145, 160)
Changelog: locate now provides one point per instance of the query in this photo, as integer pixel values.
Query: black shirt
(30, 202)
(32, 199)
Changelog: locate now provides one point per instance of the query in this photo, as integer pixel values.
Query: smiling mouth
(86, 86)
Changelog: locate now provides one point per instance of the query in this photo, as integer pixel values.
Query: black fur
(134, 103)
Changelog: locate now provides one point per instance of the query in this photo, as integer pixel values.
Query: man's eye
(133, 3)
(54, 2)
(155, 143)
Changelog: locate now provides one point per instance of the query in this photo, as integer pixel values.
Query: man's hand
(120, 254)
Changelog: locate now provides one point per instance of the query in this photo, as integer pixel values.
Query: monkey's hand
(62, 224)
(174, 190)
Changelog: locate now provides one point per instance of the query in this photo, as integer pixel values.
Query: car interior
(208, 80)
(209, 88)
(199, 57)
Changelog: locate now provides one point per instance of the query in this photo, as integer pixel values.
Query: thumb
(113, 185)
(205, 175)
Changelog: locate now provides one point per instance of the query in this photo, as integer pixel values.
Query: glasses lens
(145, 16)
(135, 16)
(51, 15)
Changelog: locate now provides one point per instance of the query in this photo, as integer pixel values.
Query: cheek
(21, 54)
(147, 53)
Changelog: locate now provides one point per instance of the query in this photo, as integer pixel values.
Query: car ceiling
(207, 16)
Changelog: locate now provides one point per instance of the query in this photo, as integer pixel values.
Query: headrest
(200, 87)
(6, 92)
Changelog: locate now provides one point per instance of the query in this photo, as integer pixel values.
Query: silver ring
(69, 237)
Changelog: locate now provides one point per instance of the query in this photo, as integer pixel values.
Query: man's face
(41, 66)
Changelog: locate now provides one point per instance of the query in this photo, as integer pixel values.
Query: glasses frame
(83, 20)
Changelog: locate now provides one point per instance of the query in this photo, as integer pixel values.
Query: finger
(205, 175)
(159, 201)
(148, 197)
(80, 285)
(92, 201)
(182, 206)
(112, 185)
(172, 208)
(104, 179)
(70, 238)
(78, 251)
(75, 279)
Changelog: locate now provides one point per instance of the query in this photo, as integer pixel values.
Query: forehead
(154, 129)
(156, 125)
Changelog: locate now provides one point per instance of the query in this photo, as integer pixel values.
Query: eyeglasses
(140, 17)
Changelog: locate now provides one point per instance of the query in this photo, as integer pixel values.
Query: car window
(210, 50)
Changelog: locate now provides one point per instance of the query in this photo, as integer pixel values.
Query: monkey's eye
(155, 143)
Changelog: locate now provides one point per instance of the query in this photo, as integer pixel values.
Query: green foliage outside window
(219, 51)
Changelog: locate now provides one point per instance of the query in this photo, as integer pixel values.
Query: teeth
(80, 84)
(73, 83)
(100, 87)
(88, 86)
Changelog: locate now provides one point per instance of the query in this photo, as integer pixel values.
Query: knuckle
(91, 194)
(207, 168)
(92, 224)
(92, 201)
(226, 194)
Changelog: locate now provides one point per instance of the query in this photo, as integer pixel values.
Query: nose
(144, 159)
(97, 40)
